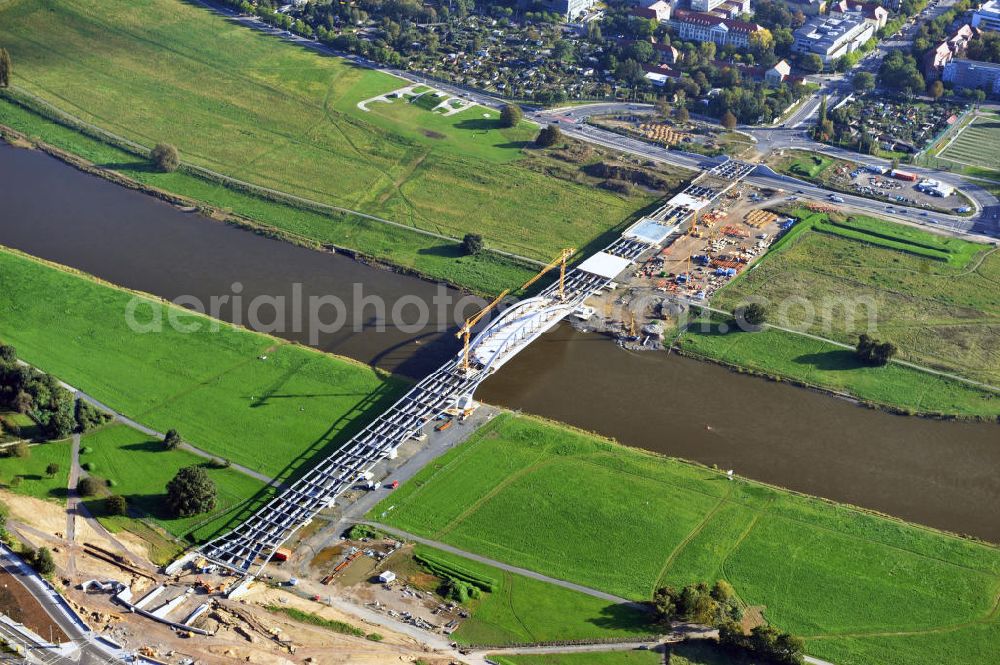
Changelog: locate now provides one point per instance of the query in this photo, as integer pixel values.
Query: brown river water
(942, 474)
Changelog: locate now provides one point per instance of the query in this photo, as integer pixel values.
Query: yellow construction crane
(558, 261)
(465, 332)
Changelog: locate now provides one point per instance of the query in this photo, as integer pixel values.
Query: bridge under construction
(248, 548)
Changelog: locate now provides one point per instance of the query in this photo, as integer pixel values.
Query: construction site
(703, 253)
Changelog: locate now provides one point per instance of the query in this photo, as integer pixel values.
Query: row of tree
(40, 396)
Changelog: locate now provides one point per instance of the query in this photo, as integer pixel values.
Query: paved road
(87, 650)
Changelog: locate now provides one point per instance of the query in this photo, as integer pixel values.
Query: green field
(140, 469)
(215, 388)
(522, 610)
(933, 296)
(31, 470)
(595, 658)
(277, 115)
(809, 165)
(625, 521)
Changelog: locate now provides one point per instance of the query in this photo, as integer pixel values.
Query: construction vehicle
(282, 554)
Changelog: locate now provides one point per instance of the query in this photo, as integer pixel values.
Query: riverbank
(861, 576)
(219, 385)
(362, 239)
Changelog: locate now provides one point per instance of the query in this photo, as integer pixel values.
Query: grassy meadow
(279, 116)
(216, 388)
(139, 469)
(33, 481)
(626, 521)
(522, 610)
(933, 296)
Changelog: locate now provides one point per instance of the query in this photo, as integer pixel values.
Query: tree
(41, 561)
(548, 137)
(191, 492)
(472, 243)
(5, 68)
(21, 449)
(812, 63)
(872, 352)
(510, 115)
(171, 440)
(681, 114)
(51, 470)
(8, 354)
(729, 120)
(89, 486)
(935, 89)
(750, 317)
(165, 157)
(116, 505)
(863, 82)
(663, 108)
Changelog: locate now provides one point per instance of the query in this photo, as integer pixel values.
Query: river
(941, 474)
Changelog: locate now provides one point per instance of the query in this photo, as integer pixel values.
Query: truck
(903, 175)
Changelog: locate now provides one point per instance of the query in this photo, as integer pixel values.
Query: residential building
(694, 26)
(936, 59)
(667, 54)
(731, 9)
(874, 13)
(808, 7)
(987, 17)
(972, 74)
(833, 37)
(657, 11)
(775, 75)
(705, 6)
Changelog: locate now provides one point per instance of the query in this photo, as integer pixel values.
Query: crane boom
(465, 332)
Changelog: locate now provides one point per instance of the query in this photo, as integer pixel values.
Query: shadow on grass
(137, 166)
(635, 618)
(479, 124)
(147, 446)
(448, 251)
(831, 361)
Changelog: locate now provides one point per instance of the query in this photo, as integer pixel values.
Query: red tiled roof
(696, 18)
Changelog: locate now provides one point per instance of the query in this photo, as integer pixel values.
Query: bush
(548, 137)
(165, 157)
(374, 637)
(89, 466)
(359, 531)
(40, 560)
(8, 354)
(116, 505)
(20, 449)
(874, 353)
(750, 317)
(472, 243)
(171, 440)
(51, 470)
(89, 417)
(89, 486)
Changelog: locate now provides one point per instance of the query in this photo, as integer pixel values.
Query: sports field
(933, 296)
(273, 114)
(977, 147)
(253, 399)
(580, 508)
